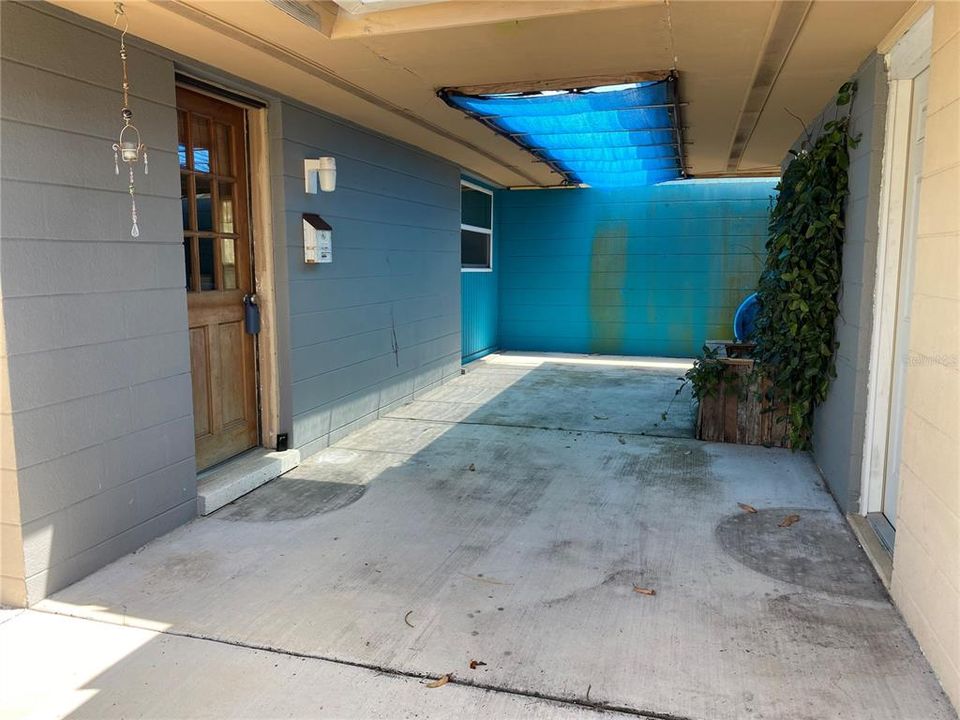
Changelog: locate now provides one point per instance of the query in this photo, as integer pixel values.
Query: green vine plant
(799, 287)
(704, 378)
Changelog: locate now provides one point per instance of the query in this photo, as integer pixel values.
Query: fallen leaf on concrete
(406, 618)
(789, 520)
(746, 508)
(440, 681)
(472, 467)
(474, 664)
(644, 591)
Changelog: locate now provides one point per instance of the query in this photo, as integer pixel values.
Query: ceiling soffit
(740, 64)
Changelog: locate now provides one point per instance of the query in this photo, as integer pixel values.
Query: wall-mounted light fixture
(320, 171)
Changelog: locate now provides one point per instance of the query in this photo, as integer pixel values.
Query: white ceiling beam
(569, 83)
(463, 13)
(785, 24)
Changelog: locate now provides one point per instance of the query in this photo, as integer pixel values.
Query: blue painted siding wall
(646, 271)
(381, 323)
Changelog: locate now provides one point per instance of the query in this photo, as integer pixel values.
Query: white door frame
(909, 57)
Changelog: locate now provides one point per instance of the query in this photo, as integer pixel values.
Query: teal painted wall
(479, 305)
(646, 271)
(479, 302)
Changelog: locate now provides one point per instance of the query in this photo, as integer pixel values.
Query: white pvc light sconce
(320, 172)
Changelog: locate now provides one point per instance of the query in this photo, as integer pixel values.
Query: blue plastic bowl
(745, 319)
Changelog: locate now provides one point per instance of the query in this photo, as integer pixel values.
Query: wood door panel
(232, 373)
(199, 368)
(219, 273)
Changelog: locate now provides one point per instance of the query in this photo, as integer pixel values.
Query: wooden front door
(217, 254)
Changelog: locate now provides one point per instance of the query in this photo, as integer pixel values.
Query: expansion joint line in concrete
(599, 707)
(584, 431)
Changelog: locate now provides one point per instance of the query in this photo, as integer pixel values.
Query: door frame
(262, 240)
(909, 57)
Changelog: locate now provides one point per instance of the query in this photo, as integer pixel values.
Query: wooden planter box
(739, 415)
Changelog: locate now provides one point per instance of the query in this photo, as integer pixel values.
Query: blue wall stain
(646, 271)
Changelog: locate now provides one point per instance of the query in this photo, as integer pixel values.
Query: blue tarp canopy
(611, 136)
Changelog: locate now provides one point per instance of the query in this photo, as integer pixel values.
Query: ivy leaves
(800, 283)
(845, 93)
(706, 374)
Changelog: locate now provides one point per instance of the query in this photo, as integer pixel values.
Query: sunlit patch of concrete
(537, 359)
(54, 666)
(48, 663)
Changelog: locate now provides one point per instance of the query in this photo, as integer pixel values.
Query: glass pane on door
(204, 209)
(224, 150)
(228, 259)
(225, 214)
(208, 280)
(200, 135)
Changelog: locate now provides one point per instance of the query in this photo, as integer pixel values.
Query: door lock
(251, 314)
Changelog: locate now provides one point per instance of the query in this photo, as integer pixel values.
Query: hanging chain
(118, 13)
(119, 149)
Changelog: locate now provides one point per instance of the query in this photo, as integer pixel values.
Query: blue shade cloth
(604, 137)
(565, 102)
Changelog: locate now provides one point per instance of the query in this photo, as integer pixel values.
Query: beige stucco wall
(926, 573)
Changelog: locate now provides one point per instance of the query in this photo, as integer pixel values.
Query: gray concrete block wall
(95, 321)
(394, 280)
(839, 423)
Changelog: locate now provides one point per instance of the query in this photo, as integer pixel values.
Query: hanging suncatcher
(129, 147)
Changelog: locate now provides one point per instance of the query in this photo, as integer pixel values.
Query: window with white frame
(476, 228)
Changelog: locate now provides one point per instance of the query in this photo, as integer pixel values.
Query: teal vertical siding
(647, 271)
(479, 310)
(480, 299)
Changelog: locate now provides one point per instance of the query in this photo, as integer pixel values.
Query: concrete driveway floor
(508, 517)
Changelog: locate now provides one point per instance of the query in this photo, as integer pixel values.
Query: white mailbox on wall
(317, 239)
